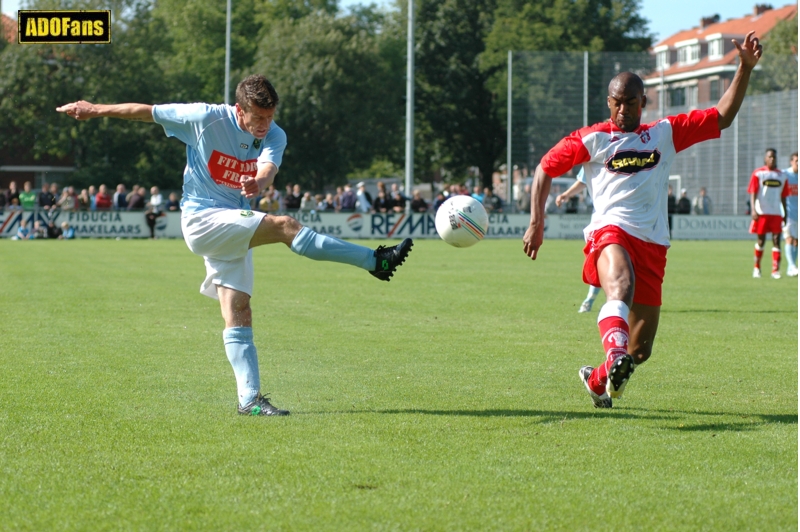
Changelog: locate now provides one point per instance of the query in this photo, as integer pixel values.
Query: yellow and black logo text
(64, 27)
(632, 161)
(773, 183)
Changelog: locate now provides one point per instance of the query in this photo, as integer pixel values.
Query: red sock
(759, 253)
(776, 259)
(614, 333)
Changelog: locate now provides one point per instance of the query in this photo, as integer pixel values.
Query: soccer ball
(462, 221)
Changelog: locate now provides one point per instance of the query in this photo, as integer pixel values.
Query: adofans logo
(64, 27)
(632, 161)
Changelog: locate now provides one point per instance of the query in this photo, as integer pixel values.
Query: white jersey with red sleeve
(629, 171)
(769, 186)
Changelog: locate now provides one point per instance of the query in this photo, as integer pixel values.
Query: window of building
(689, 54)
(713, 90)
(677, 97)
(715, 49)
(691, 96)
(662, 60)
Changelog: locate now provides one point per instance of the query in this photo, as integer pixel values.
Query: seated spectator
(137, 200)
(27, 198)
(67, 232)
(84, 201)
(53, 231)
(103, 200)
(418, 204)
(173, 203)
(120, 200)
(39, 230)
(156, 200)
(23, 231)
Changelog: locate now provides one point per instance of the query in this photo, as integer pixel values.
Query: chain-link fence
(555, 93)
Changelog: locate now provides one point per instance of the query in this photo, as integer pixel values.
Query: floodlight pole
(509, 168)
(410, 106)
(228, 54)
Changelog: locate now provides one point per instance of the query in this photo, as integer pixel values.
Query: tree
(778, 67)
(458, 112)
(341, 93)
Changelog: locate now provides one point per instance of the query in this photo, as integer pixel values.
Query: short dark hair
(773, 150)
(256, 89)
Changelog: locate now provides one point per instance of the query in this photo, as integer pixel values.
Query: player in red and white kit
(768, 190)
(627, 164)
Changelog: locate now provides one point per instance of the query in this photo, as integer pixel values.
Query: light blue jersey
(218, 153)
(791, 199)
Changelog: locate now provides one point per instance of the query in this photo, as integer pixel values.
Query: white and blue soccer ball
(462, 221)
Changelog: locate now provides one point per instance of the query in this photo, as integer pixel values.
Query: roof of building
(9, 28)
(735, 27)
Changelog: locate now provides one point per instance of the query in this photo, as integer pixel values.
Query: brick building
(695, 66)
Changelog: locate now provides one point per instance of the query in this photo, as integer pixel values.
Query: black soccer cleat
(600, 401)
(260, 406)
(388, 259)
(618, 374)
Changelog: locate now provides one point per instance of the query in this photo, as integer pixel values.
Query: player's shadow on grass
(546, 415)
(725, 311)
(749, 421)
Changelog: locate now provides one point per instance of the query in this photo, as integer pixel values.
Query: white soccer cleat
(586, 306)
(756, 273)
(776, 275)
(599, 401)
(791, 271)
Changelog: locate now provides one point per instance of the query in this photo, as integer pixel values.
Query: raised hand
(750, 51)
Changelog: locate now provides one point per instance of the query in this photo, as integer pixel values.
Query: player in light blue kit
(232, 154)
(577, 187)
(790, 227)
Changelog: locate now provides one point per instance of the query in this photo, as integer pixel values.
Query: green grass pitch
(447, 399)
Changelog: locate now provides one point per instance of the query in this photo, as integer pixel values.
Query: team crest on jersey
(631, 161)
(243, 146)
(645, 137)
(773, 183)
(246, 214)
(256, 143)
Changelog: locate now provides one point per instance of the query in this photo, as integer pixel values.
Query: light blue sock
(313, 245)
(243, 357)
(593, 291)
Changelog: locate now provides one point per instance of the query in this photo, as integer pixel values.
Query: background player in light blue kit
(232, 154)
(790, 227)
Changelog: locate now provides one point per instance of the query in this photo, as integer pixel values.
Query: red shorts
(767, 223)
(649, 261)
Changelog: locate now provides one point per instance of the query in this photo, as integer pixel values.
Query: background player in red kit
(768, 190)
(627, 166)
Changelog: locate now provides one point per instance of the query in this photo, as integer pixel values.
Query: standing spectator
(27, 198)
(293, 198)
(398, 200)
(684, 204)
(120, 199)
(524, 201)
(491, 202)
(14, 206)
(477, 194)
(268, 202)
(363, 198)
(156, 200)
(2, 200)
(702, 203)
(768, 190)
(173, 203)
(47, 199)
(93, 198)
(337, 199)
(437, 202)
(307, 202)
(68, 201)
(137, 200)
(328, 204)
(418, 203)
(67, 232)
(672, 207)
(84, 201)
(12, 193)
(382, 204)
(133, 191)
(790, 227)
(151, 215)
(103, 200)
(348, 200)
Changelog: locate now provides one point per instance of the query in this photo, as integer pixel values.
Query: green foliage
(341, 93)
(778, 66)
(447, 399)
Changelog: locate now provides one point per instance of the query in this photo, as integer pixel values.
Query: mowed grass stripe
(447, 399)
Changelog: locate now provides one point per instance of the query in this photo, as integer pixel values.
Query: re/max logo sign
(64, 27)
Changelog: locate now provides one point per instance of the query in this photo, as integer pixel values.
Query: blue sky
(666, 16)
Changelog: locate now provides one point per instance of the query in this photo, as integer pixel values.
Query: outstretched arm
(534, 236)
(84, 110)
(749, 54)
(576, 188)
